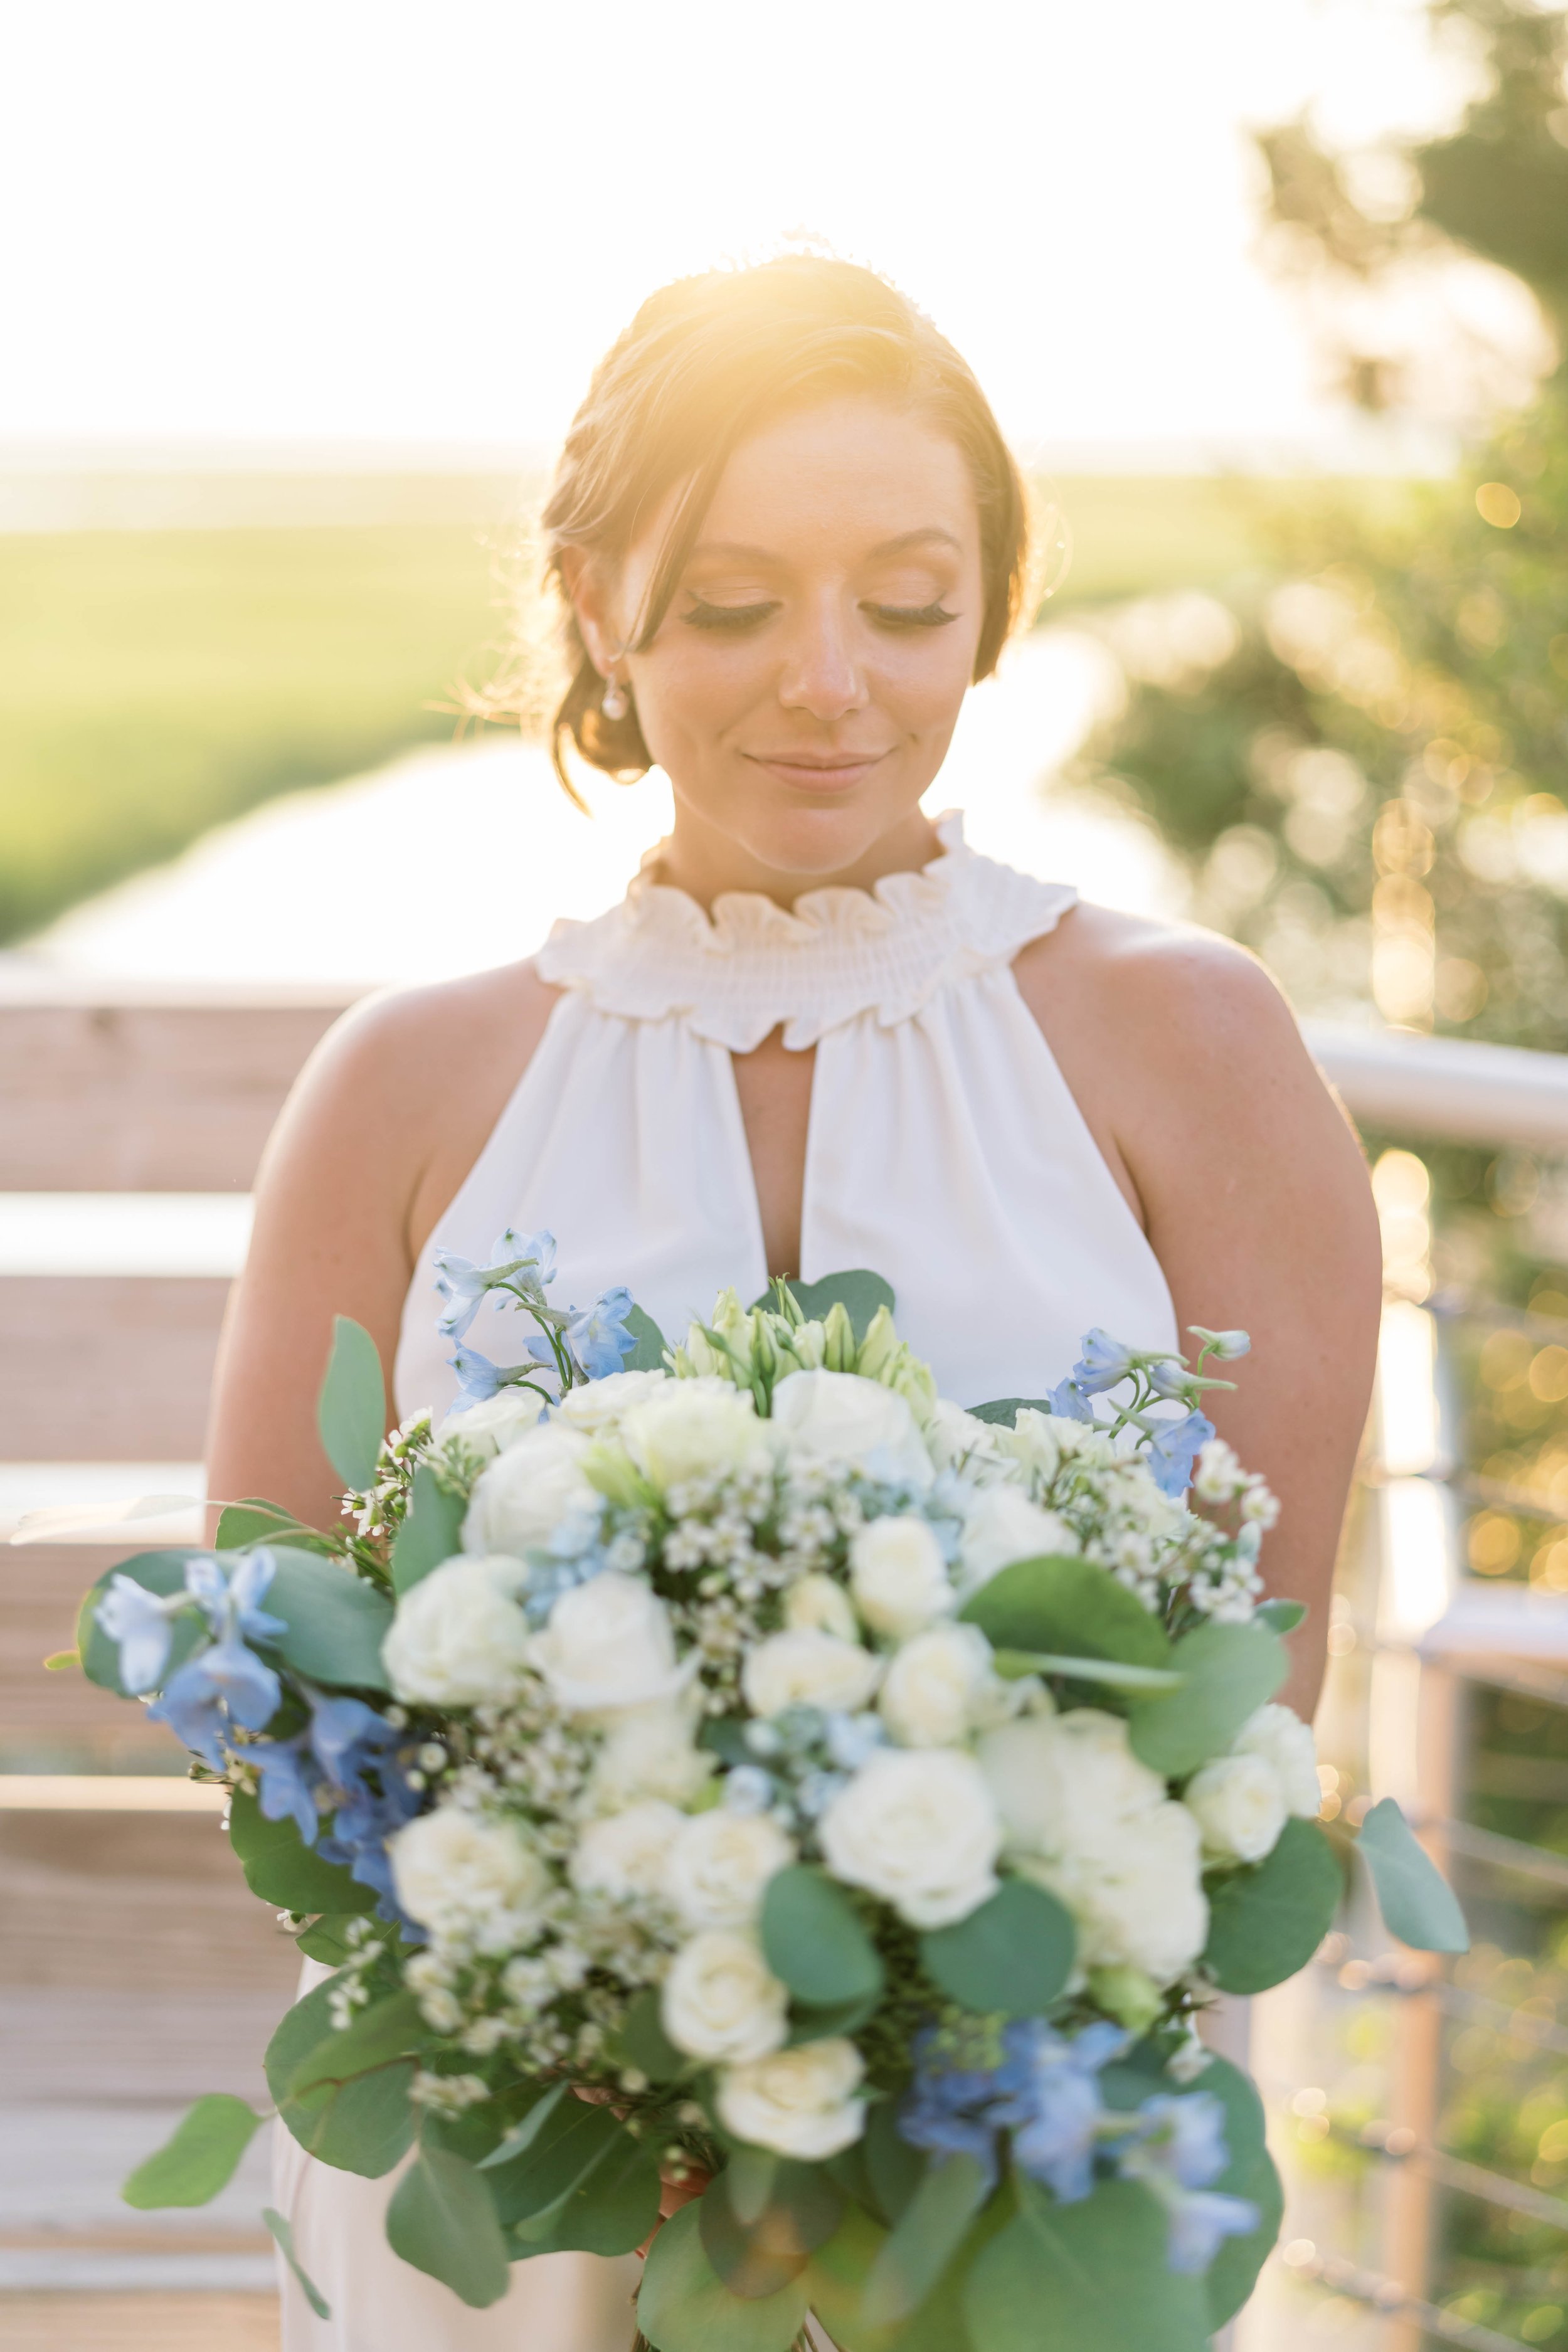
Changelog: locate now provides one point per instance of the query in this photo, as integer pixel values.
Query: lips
(838, 769)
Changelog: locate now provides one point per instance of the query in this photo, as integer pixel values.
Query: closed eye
(913, 616)
(727, 616)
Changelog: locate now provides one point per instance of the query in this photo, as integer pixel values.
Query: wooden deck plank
(112, 1368)
(139, 2322)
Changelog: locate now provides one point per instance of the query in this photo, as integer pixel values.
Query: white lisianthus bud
(718, 1867)
(806, 1668)
(610, 1644)
(1137, 1897)
(917, 1828)
(819, 1604)
(597, 1407)
(721, 2000)
(1277, 1734)
(651, 1752)
(800, 2103)
(898, 1575)
(470, 1875)
(935, 1688)
(458, 1637)
(825, 1419)
(495, 1423)
(691, 1429)
(1238, 1806)
(1002, 1526)
(529, 1491)
(624, 1855)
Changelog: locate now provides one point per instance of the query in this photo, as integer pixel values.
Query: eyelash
(738, 617)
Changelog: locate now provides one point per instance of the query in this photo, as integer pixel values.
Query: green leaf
(565, 2148)
(815, 1941)
(1417, 1904)
(683, 2305)
(610, 2210)
(282, 1869)
(351, 1412)
(842, 2017)
(1266, 1920)
(928, 2232)
(1233, 2274)
(1283, 1616)
(1228, 1671)
(1062, 1603)
(326, 1938)
(1004, 1411)
(648, 1356)
(200, 2158)
(1013, 1954)
(441, 2220)
(1087, 2277)
(836, 2278)
(387, 2029)
(762, 2218)
(285, 2238)
(157, 1571)
(335, 1622)
(522, 2135)
(255, 1521)
(859, 1294)
(429, 1534)
(365, 2126)
(59, 1660)
(894, 2167)
(643, 2042)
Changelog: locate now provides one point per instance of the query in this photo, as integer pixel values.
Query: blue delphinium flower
(1069, 1402)
(1179, 2150)
(1104, 1364)
(597, 1335)
(1169, 1377)
(287, 1777)
(232, 1598)
(225, 1681)
(1171, 1448)
(522, 1263)
(141, 1623)
(1050, 2095)
(948, 2110)
(479, 1379)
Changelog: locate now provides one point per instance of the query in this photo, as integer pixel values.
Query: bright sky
(367, 220)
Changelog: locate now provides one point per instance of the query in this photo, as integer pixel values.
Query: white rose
(459, 1638)
(624, 1855)
(935, 1688)
(720, 2000)
(529, 1492)
(819, 1604)
(959, 1439)
(838, 1418)
(1002, 1526)
(1038, 1442)
(691, 1429)
(1278, 1735)
(496, 1422)
(805, 1668)
(719, 1865)
(651, 1752)
(610, 1644)
(600, 1404)
(1137, 1899)
(917, 1828)
(1238, 1806)
(800, 2102)
(1066, 1784)
(898, 1575)
(470, 1875)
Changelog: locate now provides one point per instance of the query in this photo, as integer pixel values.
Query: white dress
(945, 1150)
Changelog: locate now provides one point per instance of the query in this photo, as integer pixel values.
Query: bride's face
(801, 688)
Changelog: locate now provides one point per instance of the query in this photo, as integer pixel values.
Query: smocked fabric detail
(734, 976)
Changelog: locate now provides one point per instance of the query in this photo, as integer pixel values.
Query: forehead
(850, 471)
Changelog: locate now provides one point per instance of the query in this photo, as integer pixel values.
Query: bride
(818, 1033)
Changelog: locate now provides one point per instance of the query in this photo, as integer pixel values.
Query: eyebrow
(928, 536)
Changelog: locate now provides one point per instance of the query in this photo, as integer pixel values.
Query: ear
(595, 600)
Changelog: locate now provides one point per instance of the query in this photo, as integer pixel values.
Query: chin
(815, 842)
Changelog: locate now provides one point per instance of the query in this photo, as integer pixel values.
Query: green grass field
(156, 682)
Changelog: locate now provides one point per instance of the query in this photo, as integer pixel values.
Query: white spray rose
(721, 2000)
(597, 1407)
(529, 1491)
(819, 1604)
(1065, 1783)
(459, 1638)
(471, 1875)
(624, 1856)
(691, 1429)
(1238, 1806)
(718, 1867)
(822, 1419)
(1278, 1735)
(960, 1440)
(800, 2102)
(935, 1689)
(806, 1668)
(651, 1752)
(898, 1575)
(1137, 1899)
(917, 1828)
(1002, 1526)
(610, 1644)
(496, 1422)
(1036, 1442)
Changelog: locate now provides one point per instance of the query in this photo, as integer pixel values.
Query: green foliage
(282, 1869)
(648, 1356)
(1064, 1603)
(1093, 2274)
(386, 2030)
(1012, 1956)
(430, 1533)
(255, 1521)
(524, 2132)
(364, 2126)
(284, 2237)
(199, 2158)
(894, 2168)
(158, 1571)
(335, 1622)
(927, 2235)
(441, 2220)
(1283, 1616)
(1003, 1411)
(326, 1938)
(643, 2041)
(1227, 1672)
(351, 1412)
(1417, 1904)
(683, 2306)
(762, 2219)
(1268, 1918)
(859, 1293)
(814, 1941)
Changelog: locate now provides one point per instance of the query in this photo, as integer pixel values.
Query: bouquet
(736, 1764)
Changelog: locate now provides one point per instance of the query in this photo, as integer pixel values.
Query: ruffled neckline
(736, 974)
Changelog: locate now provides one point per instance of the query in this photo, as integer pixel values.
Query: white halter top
(944, 1149)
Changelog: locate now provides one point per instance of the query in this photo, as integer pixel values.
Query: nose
(822, 675)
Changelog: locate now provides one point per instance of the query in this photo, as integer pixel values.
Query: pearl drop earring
(614, 704)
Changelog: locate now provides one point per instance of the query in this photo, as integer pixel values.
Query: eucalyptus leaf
(1268, 1918)
(565, 2150)
(326, 1938)
(895, 2168)
(351, 1412)
(1417, 1904)
(648, 1354)
(843, 2017)
(1003, 1412)
(1228, 1673)
(241, 1525)
(284, 2236)
(683, 2306)
(763, 2217)
(522, 2136)
(365, 2126)
(200, 2158)
(163, 1572)
(609, 2210)
(282, 1869)
(1013, 1955)
(441, 2220)
(928, 2235)
(1233, 2274)
(814, 1941)
(1283, 1616)
(430, 1532)
(1060, 1601)
(835, 2280)
(385, 2030)
(1091, 2276)
(334, 1621)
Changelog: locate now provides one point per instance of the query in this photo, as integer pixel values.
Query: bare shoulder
(431, 1046)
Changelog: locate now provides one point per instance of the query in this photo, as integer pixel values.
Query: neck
(704, 863)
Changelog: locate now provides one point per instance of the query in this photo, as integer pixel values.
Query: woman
(819, 1033)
